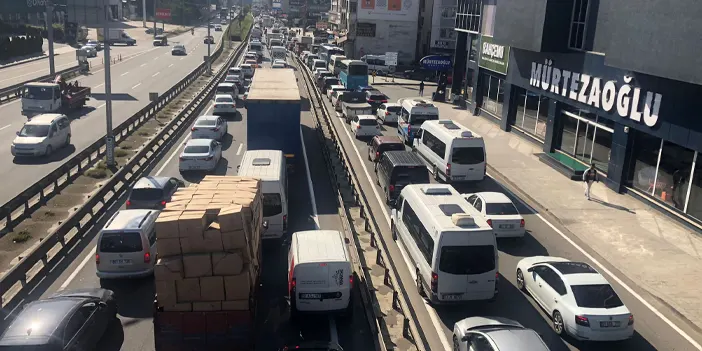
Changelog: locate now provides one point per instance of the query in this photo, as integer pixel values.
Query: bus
(327, 51)
(377, 63)
(334, 65)
(353, 74)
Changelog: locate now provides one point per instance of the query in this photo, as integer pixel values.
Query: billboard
(388, 10)
(318, 5)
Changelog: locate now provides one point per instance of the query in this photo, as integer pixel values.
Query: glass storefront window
(587, 137)
(532, 113)
(694, 203)
(645, 162)
(493, 95)
(674, 174)
(468, 85)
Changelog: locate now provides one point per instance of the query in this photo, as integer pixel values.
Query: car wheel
(520, 280)
(558, 325)
(48, 151)
(393, 231)
(420, 287)
(456, 346)
(436, 174)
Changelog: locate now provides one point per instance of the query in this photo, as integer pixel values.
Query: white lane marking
(99, 85)
(124, 74)
(156, 58)
(101, 106)
(182, 58)
(74, 274)
(333, 333)
(309, 182)
(5, 126)
(177, 149)
(238, 151)
(142, 65)
(138, 84)
(155, 74)
(171, 65)
(604, 269)
(430, 310)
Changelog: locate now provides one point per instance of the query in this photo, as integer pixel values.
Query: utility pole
(50, 34)
(143, 13)
(209, 18)
(154, 19)
(109, 137)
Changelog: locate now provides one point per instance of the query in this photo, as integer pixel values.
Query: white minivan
(270, 167)
(452, 152)
(452, 249)
(126, 246)
(320, 276)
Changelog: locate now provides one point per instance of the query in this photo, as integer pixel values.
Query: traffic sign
(391, 58)
(163, 13)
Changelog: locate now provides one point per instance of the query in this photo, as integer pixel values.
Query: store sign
(436, 63)
(365, 30)
(163, 13)
(589, 90)
(321, 25)
(494, 57)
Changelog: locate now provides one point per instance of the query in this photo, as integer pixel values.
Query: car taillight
(384, 101)
(163, 203)
(97, 258)
(216, 129)
(193, 129)
(409, 129)
(434, 282)
(358, 126)
(181, 158)
(293, 283)
(448, 170)
(489, 222)
(209, 158)
(521, 223)
(129, 203)
(580, 320)
(147, 257)
(370, 101)
(377, 155)
(387, 113)
(351, 281)
(631, 319)
(285, 222)
(391, 188)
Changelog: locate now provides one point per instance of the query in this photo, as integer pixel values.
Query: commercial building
(577, 77)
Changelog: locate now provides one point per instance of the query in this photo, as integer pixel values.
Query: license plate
(506, 226)
(311, 296)
(452, 296)
(124, 261)
(458, 177)
(610, 324)
(194, 167)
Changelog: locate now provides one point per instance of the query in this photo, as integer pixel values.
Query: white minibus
(453, 250)
(334, 63)
(452, 152)
(413, 113)
(270, 167)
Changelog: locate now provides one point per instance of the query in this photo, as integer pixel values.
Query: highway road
(66, 59)
(135, 332)
(544, 237)
(153, 69)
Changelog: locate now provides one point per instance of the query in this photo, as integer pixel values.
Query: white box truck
(115, 36)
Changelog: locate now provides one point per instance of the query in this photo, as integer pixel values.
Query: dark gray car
(152, 192)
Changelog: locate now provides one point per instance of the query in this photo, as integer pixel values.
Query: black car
(328, 82)
(418, 74)
(375, 98)
(321, 77)
(67, 320)
(152, 192)
(209, 40)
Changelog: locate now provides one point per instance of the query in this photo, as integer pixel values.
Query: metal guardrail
(36, 195)
(12, 92)
(399, 296)
(81, 221)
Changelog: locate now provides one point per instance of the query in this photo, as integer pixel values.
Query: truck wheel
(48, 151)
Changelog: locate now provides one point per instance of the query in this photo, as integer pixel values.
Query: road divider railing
(36, 195)
(360, 225)
(13, 92)
(32, 266)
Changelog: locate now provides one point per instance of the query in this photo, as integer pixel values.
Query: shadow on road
(135, 297)
(197, 176)
(56, 156)
(115, 97)
(113, 338)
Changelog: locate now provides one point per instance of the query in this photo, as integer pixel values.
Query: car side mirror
(180, 182)
(465, 338)
(370, 142)
(531, 269)
(17, 132)
(347, 241)
(102, 304)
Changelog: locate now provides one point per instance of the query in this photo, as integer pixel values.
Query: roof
(585, 279)
(320, 246)
(392, 104)
(479, 322)
(263, 164)
(367, 117)
(494, 197)
(274, 85)
(127, 219)
(206, 118)
(389, 139)
(357, 105)
(41, 84)
(151, 182)
(45, 118)
(443, 204)
(50, 312)
(199, 142)
(447, 128)
(226, 84)
(418, 102)
(404, 158)
(353, 62)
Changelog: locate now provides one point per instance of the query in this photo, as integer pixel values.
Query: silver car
(495, 333)
(90, 51)
(126, 246)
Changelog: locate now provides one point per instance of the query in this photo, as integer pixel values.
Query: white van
(320, 277)
(452, 152)
(126, 246)
(270, 167)
(278, 53)
(452, 249)
(317, 63)
(413, 113)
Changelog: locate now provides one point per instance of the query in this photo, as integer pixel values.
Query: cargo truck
(58, 96)
(273, 107)
(115, 36)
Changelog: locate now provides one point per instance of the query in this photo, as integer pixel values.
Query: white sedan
(579, 299)
(178, 50)
(389, 112)
(209, 127)
(365, 126)
(278, 65)
(224, 104)
(499, 212)
(281, 62)
(200, 155)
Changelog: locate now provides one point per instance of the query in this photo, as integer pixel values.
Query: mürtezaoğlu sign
(593, 91)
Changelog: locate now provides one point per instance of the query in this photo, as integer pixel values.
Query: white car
(90, 51)
(232, 79)
(200, 155)
(332, 89)
(224, 104)
(234, 71)
(95, 43)
(365, 126)
(389, 112)
(579, 299)
(281, 62)
(318, 72)
(277, 65)
(336, 101)
(209, 127)
(218, 28)
(178, 50)
(247, 70)
(499, 212)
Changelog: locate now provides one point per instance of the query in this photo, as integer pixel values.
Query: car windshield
(596, 296)
(395, 109)
(360, 70)
(391, 147)
(39, 93)
(32, 130)
(225, 90)
(378, 97)
(272, 204)
(196, 149)
(501, 209)
(367, 122)
(467, 260)
(468, 155)
(146, 194)
(331, 81)
(224, 99)
(417, 120)
(120, 242)
(206, 122)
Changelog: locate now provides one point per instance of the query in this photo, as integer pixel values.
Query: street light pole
(209, 17)
(109, 137)
(154, 19)
(143, 13)
(50, 34)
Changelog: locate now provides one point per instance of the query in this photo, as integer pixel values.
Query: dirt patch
(28, 234)
(66, 201)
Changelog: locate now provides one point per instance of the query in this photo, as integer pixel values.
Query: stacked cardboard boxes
(208, 240)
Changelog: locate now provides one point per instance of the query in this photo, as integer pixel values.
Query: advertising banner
(365, 30)
(318, 5)
(321, 25)
(388, 10)
(436, 63)
(164, 13)
(494, 57)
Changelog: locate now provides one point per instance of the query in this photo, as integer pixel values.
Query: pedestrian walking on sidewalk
(590, 176)
(421, 88)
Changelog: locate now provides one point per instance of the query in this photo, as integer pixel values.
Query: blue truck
(273, 110)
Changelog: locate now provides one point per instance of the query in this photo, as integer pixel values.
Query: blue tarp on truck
(273, 113)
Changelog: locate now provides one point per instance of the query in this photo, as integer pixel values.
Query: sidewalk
(656, 252)
(58, 50)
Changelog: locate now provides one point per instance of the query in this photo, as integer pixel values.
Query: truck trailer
(273, 107)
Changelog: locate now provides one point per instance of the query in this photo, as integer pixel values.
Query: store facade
(640, 131)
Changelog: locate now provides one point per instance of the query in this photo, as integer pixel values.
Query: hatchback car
(326, 82)
(152, 192)
(365, 126)
(232, 79)
(375, 98)
(234, 71)
(499, 212)
(388, 112)
(41, 135)
(247, 70)
(334, 88)
(209, 40)
(224, 104)
(95, 43)
(89, 50)
(336, 101)
(381, 143)
(495, 334)
(67, 320)
(218, 28)
(178, 50)
(253, 63)
(200, 155)
(209, 127)
(126, 246)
